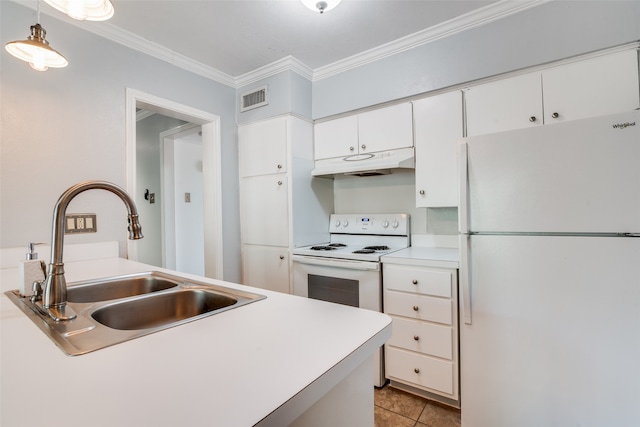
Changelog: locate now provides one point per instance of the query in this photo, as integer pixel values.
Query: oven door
(349, 282)
(355, 283)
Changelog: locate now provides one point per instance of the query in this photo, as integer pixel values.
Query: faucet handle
(135, 229)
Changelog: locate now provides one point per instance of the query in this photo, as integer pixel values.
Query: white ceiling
(235, 38)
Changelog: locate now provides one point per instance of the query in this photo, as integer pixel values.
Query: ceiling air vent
(254, 99)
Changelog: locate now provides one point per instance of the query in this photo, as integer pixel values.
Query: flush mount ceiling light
(90, 10)
(321, 5)
(36, 50)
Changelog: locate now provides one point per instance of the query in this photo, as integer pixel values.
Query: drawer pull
(416, 370)
(414, 281)
(415, 308)
(416, 338)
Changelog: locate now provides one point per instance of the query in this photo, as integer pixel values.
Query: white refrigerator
(550, 275)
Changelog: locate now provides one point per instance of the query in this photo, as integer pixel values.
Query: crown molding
(456, 25)
(288, 63)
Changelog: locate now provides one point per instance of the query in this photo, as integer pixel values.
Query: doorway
(182, 210)
(211, 169)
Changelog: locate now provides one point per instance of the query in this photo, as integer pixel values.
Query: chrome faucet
(54, 294)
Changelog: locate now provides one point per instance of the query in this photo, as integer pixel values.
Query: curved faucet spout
(54, 298)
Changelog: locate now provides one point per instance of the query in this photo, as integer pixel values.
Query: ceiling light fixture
(36, 50)
(90, 10)
(321, 5)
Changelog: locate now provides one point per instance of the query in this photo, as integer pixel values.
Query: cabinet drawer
(419, 307)
(421, 370)
(422, 280)
(422, 337)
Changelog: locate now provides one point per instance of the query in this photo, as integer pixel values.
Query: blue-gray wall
(545, 33)
(67, 125)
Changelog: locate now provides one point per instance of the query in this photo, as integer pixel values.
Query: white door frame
(211, 169)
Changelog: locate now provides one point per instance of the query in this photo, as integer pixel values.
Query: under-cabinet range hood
(367, 164)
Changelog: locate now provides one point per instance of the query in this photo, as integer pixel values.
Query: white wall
(189, 216)
(67, 125)
(148, 177)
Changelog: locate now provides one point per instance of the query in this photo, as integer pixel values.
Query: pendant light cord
(38, 12)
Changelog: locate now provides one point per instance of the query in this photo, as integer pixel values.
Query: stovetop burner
(364, 251)
(337, 245)
(323, 248)
(377, 248)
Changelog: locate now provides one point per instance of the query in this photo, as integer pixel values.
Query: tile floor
(396, 408)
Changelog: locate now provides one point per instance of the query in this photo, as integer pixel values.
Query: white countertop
(265, 363)
(424, 257)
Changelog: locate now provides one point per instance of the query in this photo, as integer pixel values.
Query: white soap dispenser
(30, 270)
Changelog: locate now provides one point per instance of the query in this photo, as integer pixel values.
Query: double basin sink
(118, 309)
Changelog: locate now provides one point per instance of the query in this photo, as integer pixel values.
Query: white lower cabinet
(266, 267)
(422, 354)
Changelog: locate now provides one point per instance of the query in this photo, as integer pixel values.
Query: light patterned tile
(385, 418)
(437, 415)
(400, 402)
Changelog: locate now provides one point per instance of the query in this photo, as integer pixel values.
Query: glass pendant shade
(36, 51)
(90, 10)
(321, 5)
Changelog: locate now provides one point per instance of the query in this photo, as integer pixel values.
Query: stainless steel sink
(118, 309)
(155, 311)
(122, 287)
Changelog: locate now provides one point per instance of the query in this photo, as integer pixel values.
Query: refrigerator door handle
(463, 184)
(465, 278)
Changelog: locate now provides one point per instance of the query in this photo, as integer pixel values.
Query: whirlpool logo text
(623, 125)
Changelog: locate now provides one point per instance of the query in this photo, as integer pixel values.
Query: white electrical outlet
(80, 223)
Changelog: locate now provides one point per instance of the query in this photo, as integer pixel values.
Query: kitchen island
(283, 360)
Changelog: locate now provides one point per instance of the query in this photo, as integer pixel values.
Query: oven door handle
(337, 263)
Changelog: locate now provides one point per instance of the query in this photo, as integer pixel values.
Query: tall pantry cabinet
(281, 205)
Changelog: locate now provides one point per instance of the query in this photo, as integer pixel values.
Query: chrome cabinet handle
(416, 370)
(415, 308)
(279, 182)
(351, 148)
(279, 166)
(422, 192)
(555, 115)
(363, 146)
(532, 119)
(416, 338)
(414, 281)
(281, 256)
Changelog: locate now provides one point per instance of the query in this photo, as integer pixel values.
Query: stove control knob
(338, 223)
(385, 224)
(395, 224)
(345, 223)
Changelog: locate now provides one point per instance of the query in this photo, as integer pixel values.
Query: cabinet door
(511, 103)
(264, 210)
(262, 147)
(438, 125)
(266, 267)
(594, 87)
(385, 129)
(336, 138)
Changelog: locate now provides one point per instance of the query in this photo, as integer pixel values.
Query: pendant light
(90, 10)
(321, 5)
(36, 50)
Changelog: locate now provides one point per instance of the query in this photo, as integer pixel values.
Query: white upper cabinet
(386, 129)
(606, 84)
(262, 147)
(511, 103)
(595, 87)
(373, 131)
(438, 126)
(336, 138)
